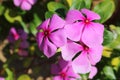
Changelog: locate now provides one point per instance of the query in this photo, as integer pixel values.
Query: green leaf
(108, 37)
(2, 8)
(34, 24)
(53, 6)
(10, 18)
(24, 77)
(108, 71)
(48, 14)
(10, 75)
(88, 3)
(105, 9)
(79, 4)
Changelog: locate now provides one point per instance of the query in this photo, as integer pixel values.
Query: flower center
(87, 21)
(86, 48)
(46, 33)
(63, 74)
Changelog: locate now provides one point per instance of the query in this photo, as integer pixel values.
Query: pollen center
(86, 21)
(46, 33)
(63, 74)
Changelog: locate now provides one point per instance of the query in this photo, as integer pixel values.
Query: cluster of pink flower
(19, 37)
(80, 39)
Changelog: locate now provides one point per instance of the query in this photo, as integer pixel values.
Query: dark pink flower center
(86, 21)
(46, 32)
(63, 74)
(86, 48)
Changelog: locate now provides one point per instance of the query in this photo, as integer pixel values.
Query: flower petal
(58, 37)
(74, 31)
(73, 15)
(70, 50)
(39, 38)
(90, 14)
(72, 74)
(23, 34)
(57, 78)
(48, 48)
(90, 37)
(81, 64)
(93, 72)
(24, 44)
(63, 64)
(55, 69)
(25, 5)
(99, 30)
(32, 1)
(56, 22)
(95, 54)
(17, 2)
(44, 25)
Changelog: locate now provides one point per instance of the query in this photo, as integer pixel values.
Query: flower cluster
(80, 39)
(18, 38)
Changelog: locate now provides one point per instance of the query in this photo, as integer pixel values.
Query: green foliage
(48, 14)
(10, 75)
(105, 9)
(2, 8)
(109, 73)
(108, 37)
(53, 6)
(34, 24)
(79, 4)
(24, 77)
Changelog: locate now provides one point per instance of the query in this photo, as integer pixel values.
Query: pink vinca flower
(89, 55)
(51, 35)
(83, 25)
(20, 37)
(1, 78)
(24, 4)
(63, 71)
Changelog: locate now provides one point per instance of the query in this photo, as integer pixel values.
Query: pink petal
(58, 37)
(95, 54)
(56, 22)
(25, 5)
(23, 52)
(48, 48)
(70, 50)
(73, 15)
(17, 2)
(81, 64)
(90, 14)
(55, 69)
(72, 74)
(90, 37)
(32, 1)
(1, 78)
(39, 38)
(93, 72)
(44, 25)
(63, 64)
(15, 34)
(74, 31)
(24, 44)
(57, 78)
(99, 30)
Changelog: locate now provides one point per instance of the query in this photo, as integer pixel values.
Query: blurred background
(20, 59)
